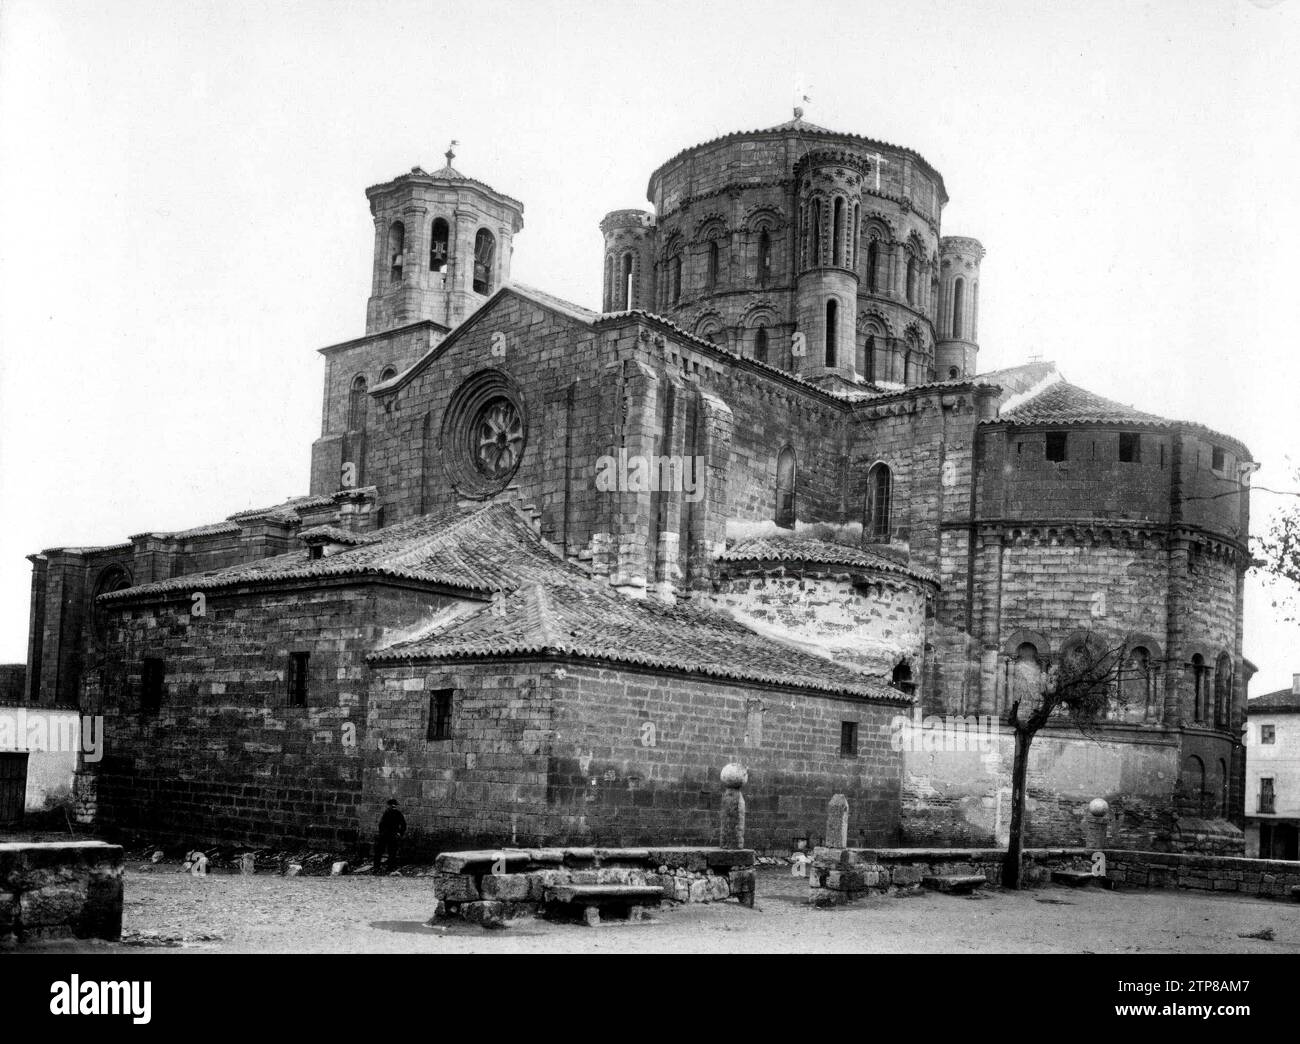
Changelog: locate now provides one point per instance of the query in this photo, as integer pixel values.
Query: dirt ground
(170, 911)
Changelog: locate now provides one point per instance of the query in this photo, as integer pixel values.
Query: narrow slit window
(1216, 458)
(785, 489)
(832, 321)
(837, 224)
(848, 739)
(357, 404)
(764, 257)
(760, 344)
(396, 251)
(711, 274)
(880, 492)
(958, 293)
(625, 284)
(152, 676)
(296, 677)
(440, 702)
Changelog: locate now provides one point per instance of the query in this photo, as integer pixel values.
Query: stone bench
(1081, 879)
(629, 901)
(954, 884)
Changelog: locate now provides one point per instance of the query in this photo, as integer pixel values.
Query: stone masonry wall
(963, 797)
(578, 754)
(870, 624)
(225, 757)
(839, 875)
(52, 891)
(610, 784)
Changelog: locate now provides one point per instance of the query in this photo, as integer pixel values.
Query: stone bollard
(248, 864)
(837, 822)
(1096, 822)
(733, 805)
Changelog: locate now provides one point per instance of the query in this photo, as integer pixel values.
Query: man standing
(392, 828)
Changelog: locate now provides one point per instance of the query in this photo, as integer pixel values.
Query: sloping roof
(1284, 701)
(801, 125)
(798, 125)
(557, 609)
(558, 304)
(819, 552)
(446, 173)
(1060, 402)
(335, 535)
(424, 549)
(555, 304)
(542, 605)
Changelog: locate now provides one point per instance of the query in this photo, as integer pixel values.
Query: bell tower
(442, 246)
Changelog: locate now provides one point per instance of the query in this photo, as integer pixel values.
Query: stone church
(556, 567)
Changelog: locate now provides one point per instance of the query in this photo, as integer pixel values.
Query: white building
(1273, 773)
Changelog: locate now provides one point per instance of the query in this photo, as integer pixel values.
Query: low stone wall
(1270, 878)
(838, 875)
(493, 886)
(50, 891)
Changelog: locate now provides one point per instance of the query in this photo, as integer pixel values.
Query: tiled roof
(335, 535)
(801, 126)
(293, 504)
(558, 610)
(819, 552)
(1284, 701)
(212, 529)
(447, 173)
(425, 549)
(1060, 402)
(542, 605)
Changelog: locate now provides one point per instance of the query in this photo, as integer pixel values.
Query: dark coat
(392, 824)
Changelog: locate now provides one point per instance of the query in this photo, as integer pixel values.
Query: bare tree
(1278, 552)
(1080, 688)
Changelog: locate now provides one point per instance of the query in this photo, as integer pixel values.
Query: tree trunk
(1019, 770)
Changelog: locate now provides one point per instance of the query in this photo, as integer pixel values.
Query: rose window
(498, 438)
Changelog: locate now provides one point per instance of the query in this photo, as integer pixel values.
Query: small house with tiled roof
(1272, 739)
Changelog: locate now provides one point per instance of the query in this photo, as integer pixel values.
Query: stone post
(734, 777)
(1096, 823)
(837, 822)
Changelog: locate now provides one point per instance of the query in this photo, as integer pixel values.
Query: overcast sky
(182, 217)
